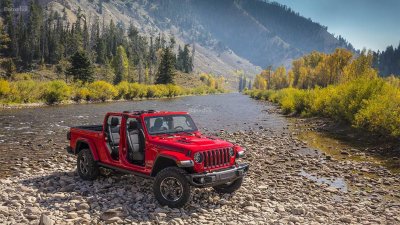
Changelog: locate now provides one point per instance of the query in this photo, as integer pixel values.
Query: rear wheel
(87, 167)
(171, 187)
(229, 187)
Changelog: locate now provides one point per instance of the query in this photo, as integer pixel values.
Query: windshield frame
(169, 132)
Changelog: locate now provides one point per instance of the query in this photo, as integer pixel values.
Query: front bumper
(217, 177)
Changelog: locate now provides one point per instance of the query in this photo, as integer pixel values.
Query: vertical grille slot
(216, 158)
(206, 164)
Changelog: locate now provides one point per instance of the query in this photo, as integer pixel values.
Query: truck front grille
(216, 158)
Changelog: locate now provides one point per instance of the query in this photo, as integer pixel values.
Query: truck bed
(95, 128)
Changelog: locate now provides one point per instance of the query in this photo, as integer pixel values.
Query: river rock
(114, 220)
(250, 209)
(274, 191)
(32, 210)
(110, 214)
(345, 219)
(83, 206)
(45, 220)
(4, 210)
(331, 189)
(72, 215)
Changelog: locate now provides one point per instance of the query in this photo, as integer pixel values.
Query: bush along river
(299, 174)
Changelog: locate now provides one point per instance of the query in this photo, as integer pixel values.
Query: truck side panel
(89, 138)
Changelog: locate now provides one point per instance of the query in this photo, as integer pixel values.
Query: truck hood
(192, 143)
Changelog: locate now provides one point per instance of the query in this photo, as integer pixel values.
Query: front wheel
(229, 187)
(87, 167)
(171, 187)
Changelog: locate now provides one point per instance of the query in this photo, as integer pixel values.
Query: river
(297, 175)
(33, 134)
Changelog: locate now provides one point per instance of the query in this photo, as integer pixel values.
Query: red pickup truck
(164, 146)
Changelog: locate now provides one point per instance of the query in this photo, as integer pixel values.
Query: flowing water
(31, 135)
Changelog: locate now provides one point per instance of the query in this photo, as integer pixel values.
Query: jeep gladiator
(164, 146)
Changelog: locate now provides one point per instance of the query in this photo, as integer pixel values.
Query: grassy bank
(58, 91)
(372, 104)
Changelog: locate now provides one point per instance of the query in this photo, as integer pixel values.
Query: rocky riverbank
(283, 186)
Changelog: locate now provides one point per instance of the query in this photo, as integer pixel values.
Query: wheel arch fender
(166, 159)
(85, 143)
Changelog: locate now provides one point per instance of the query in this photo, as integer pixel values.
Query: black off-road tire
(87, 167)
(176, 175)
(229, 187)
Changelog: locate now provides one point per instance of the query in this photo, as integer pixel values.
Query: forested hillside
(41, 37)
(226, 35)
(388, 61)
(48, 57)
(267, 34)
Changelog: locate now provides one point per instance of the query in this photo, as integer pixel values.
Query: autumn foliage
(341, 86)
(26, 90)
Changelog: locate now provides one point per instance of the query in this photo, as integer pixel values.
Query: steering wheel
(179, 128)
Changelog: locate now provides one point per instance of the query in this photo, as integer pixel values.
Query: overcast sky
(373, 24)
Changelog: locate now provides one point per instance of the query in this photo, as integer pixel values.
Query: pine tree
(101, 48)
(193, 55)
(86, 37)
(81, 67)
(142, 76)
(166, 70)
(100, 6)
(172, 42)
(184, 60)
(244, 83)
(4, 40)
(240, 83)
(121, 65)
(35, 21)
(9, 47)
(179, 59)
(187, 60)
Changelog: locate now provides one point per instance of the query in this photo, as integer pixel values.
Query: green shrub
(55, 92)
(101, 90)
(137, 90)
(4, 88)
(174, 90)
(22, 76)
(369, 103)
(351, 97)
(81, 93)
(25, 91)
(157, 91)
(123, 90)
(381, 113)
(201, 90)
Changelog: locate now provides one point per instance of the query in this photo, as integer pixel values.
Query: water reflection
(336, 182)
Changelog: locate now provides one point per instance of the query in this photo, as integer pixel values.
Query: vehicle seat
(113, 133)
(158, 125)
(136, 152)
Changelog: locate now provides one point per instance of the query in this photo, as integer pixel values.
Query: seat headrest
(114, 121)
(158, 122)
(133, 125)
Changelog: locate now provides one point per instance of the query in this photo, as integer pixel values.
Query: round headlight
(198, 157)
(231, 152)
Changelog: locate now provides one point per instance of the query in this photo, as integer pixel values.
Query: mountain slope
(264, 33)
(228, 35)
(207, 59)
